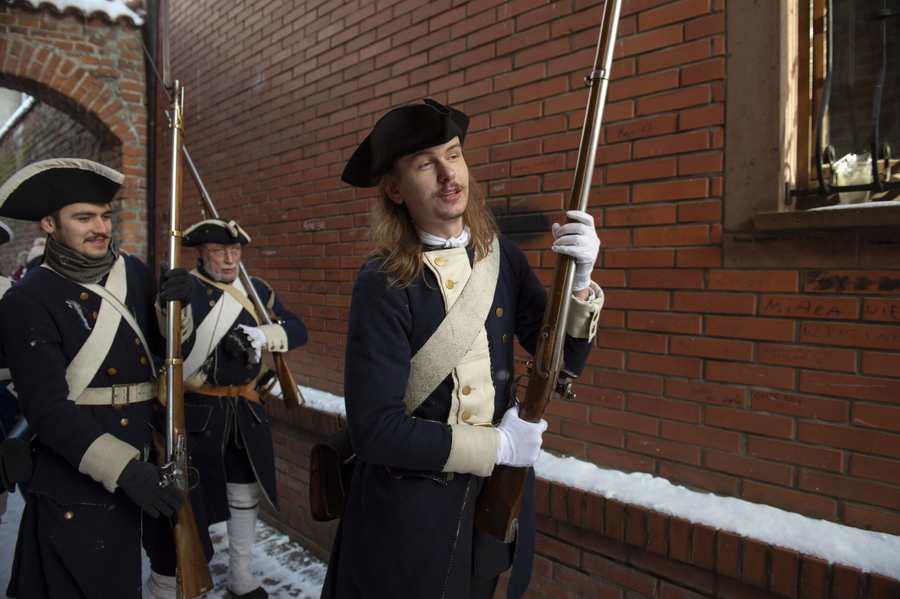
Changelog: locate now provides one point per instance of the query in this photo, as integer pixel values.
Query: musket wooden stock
(192, 572)
(498, 504)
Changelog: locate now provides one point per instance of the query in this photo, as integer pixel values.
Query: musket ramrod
(498, 504)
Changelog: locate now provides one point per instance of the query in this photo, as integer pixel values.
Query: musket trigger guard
(514, 390)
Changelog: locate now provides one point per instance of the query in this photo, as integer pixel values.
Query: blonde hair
(396, 243)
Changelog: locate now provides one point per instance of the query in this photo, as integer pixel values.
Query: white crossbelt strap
(456, 333)
(214, 327)
(84, 365)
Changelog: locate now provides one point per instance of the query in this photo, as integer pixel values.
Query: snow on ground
(283, 567)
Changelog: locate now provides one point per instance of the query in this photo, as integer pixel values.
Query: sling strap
(456, 333)
(217, 322)
(232, 289)
(83, 367)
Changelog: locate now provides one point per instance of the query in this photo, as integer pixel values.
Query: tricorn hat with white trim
(6, 233)
(42, 188)
(215, 230)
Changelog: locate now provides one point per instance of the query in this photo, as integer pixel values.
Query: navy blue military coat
(76, 539)
(406, 529)
(207, 418)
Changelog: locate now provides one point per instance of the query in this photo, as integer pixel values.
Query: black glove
(236, 343)
(140, 481)
(176, 284)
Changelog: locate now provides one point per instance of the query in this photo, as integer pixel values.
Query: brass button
(466, 415)
(111, 371)
(505, 338)
(499, 312)
(253, 425)
(94, 314)
(209, 292)
(119, 407)
(211, 303)
(449, 284)
(156, 407)
(399, 477)
(84, 295)
(439, 261)
(124, 421)
(207, 433)
(112, 507)
(466, 390)
(143, 359)
(137, 340)
(249, 366)
(449, 476)
(68, 515)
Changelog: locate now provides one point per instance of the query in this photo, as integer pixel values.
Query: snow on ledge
(835, 543)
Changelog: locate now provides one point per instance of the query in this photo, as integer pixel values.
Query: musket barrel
(498, 504)
(173, 308)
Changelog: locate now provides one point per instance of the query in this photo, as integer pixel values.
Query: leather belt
(247, 391)
(117, 395)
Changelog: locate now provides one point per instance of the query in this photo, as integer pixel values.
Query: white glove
(257, 340)
(578, 240)
(520, 440)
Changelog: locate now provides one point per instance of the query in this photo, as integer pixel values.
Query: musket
(192, 571)
(289, 389)
(498, 504)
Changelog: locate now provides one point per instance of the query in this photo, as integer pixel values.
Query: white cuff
(583, 315)
(105, 459)
(473, 449)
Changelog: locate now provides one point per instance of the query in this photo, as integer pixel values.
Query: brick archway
(92, 71)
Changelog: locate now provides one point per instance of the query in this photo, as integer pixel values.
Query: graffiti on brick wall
(802, 307)
(852, 282)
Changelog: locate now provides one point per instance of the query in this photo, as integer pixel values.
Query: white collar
(435, 241)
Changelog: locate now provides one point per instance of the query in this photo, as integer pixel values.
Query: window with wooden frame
(793, 101)
(848, 109)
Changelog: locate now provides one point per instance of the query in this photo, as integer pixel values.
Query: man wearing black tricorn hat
(232, 442)
(429, 366)
(80, 335)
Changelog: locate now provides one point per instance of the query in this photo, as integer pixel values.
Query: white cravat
(439, 242)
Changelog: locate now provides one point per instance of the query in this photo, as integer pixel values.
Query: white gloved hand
(520, 440)
(578, 240)
(257, 340)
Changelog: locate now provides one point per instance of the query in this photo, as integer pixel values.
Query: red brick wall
(775, 385)
(88, 78)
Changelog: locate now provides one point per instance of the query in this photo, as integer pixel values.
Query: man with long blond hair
(429, 367)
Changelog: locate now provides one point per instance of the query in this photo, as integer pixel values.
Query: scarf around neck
(78, 267)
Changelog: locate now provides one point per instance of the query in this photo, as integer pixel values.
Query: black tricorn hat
(42, 188)
(400, 132)
(6, 233)
(215, 230)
